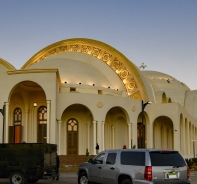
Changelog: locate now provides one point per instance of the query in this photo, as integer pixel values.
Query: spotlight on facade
(35, 104)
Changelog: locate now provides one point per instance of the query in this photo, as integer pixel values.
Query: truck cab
(28, 162)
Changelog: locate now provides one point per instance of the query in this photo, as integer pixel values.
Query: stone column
(59, 136)
(103, 134)
(94, 137)
(26, 124)
(99, 135)
(176, 137)
(113, 133)
(129, 135)
(88, 136)
(6, 125)
(48, 120)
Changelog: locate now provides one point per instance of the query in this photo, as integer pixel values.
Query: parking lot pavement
(70, 178)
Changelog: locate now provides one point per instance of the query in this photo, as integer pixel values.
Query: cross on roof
(143, 66)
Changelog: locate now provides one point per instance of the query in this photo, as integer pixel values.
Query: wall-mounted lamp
(65, 82)
(108, 87)
(35, 104)
(93, 84)
(80, 83)
(116, 89)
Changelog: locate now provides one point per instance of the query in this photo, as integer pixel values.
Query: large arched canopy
(125, 69)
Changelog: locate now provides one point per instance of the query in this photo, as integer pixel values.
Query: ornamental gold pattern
(95, 52)
(85, 49)
(104, 53)
(116, 64)
(106, 57)
(124, 73)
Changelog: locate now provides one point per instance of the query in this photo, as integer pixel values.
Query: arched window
(17, 116)
(42, 125)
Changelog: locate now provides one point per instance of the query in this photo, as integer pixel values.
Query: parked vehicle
(135, 166)
(27, 162)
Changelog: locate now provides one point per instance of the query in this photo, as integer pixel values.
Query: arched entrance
(142, 130)
(76, 130)
(24, 120)
(163, 133)
(116, 129)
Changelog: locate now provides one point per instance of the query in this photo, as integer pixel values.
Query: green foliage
(87, 155)
(191, 162)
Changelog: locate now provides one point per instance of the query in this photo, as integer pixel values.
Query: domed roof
(164, 81)
(174, 89)
(75, 68)
(114, 70)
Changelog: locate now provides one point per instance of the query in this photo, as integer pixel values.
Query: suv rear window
(166, 158)
(133, 158)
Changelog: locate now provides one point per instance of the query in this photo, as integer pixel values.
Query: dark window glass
(99, 159)
(111, 158)
(166, 158)
(133, 158)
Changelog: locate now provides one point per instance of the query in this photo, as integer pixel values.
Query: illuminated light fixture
(35, 104)
(93, 84)
(80, 83)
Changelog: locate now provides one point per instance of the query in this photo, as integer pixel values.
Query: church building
(79, 92)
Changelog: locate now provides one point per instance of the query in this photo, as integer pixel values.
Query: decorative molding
(134, 108)
(100, 104)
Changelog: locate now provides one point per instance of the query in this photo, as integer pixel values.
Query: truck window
(166, 158)
(111, 158)
(133, 158)
(99, 159)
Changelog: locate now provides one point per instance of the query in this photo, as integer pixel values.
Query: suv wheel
(17, 178)
(83, 179)
(126, 181)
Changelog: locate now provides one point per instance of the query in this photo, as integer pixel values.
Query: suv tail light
(188, 172)
(148, 173)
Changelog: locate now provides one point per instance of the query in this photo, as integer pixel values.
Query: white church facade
(79, 92)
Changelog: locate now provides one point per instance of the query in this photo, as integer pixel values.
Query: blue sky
(160, 33)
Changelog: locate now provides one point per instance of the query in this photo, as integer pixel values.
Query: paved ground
(64, 179)
(72, 179)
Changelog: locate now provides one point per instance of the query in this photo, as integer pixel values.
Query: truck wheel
(126, 181)
(83, 179)
(17, 178)
(32, 181)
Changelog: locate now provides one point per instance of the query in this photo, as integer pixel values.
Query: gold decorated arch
(125, 69)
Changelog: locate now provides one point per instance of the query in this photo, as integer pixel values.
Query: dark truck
(28, 162)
